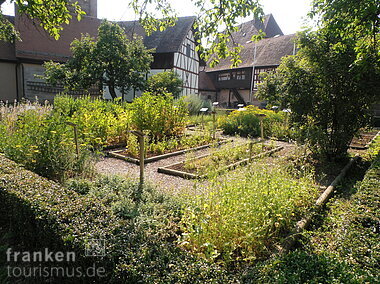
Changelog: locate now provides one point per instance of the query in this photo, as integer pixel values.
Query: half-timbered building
(174, 50)
(21, 62)
(232, 86)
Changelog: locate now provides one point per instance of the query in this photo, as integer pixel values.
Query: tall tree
(112, 59)
(165, 82)
(332, 82)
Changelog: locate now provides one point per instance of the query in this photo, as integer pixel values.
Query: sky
(289, 14)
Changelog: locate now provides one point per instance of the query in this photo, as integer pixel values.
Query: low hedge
(39, 214)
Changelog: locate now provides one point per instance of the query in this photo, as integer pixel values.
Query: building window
(224, 77)
(188, 50)
(257, 75)
(239, 75)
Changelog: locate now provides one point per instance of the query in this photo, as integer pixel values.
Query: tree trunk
(111, 89)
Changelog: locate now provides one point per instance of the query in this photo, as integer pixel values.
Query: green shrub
(304, 267)
(165, 82)
(242, 216)
(139, 246)
(159, 115)
(165, 144)
(43, 144)
(100, 123)
(194, 103)
(247, 123)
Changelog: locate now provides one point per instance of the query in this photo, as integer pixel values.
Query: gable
(169, 40)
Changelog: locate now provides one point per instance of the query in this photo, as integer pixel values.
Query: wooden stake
(142, 164)
(140, 137)
(75, 137)
(214, 125)
(261, 117)
(250, 151)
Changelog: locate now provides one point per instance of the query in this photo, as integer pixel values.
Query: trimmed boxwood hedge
(39, 214)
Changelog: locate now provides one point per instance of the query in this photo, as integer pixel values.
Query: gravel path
(166, 183)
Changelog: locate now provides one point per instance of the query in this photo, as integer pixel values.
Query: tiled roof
(248, 29)
(266, 52)
(169, 40)
(36, 44)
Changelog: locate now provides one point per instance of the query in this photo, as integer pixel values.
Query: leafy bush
(159, 115)
(165, 144)
(165, 82)
(242, 216)
(303, 267)
(194, 103)
(139, 245)
(247, 123)
(331, 83)
(42, 143)
(100, 123)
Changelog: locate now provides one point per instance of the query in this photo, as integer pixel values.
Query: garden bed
(152, 157)
(364, 140)
(220, 161)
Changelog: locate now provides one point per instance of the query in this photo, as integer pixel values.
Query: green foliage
(165, 145)
(49, 14)
(100, 123)
(351, 228)
(211, 15)
(112, 59)
(342, 246)
(195, 103)
(41, 138)
(41, 142)
(160, 116)
(242, 216)
(165, 82)
(221, 157)
(303, 267)
(8, 32)
(332, 82)
(247, 123)
(138, 234)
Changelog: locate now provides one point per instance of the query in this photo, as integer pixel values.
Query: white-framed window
(224, 76)
(239, 75)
